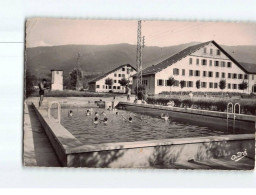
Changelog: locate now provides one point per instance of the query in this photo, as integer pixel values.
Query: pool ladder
(233, 112)
(59, 110)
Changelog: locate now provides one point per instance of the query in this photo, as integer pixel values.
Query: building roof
(250, 67)
(184, 53)
(109, 72)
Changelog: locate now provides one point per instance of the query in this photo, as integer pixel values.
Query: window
(223, 64)
(115, 75)
(160, 82)
(119, 75)
(123, 69)
(128, 71)
(246, 76)
(211, 51)
(204, 62)
(217, 74)
(114, 87)
(190, 72)
(234, 76)
(204, 84)
(229, 86)
(183, 72)
(176, 83)
(110, 87)
(229, 64)
(190, 83)
(123, 75)
(190, 61)
(211, 85)
(240, 76)
(197, 61)
(223, 75)
(145, 82)
(106, 86)
(218, 52)
(210, 62)
(97, 86)
(118, 87)
(197, 73)
(204, 73)
(205, 50)
(176, 71)
(114, 81)
(215, 85)
(234, 86)
(216, 63)
(210, 74)
(229, 75)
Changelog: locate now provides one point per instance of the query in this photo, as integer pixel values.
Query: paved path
(37, 148)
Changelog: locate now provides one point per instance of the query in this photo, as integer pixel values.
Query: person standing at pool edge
(41, 91)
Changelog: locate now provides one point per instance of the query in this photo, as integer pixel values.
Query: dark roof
(109, 72)
(56, 70)
(182, 54)
(251, 68)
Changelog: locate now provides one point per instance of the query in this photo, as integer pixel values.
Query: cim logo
(239, 156)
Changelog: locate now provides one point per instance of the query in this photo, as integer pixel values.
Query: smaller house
(124, 71)
(57, 80)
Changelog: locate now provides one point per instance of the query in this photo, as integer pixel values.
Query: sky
(52, 32)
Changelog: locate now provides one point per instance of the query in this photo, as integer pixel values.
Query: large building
(207, 62)
(124, 71)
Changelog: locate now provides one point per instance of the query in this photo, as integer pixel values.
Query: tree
(124, 82)
(140, 92)
(182, 84)
(198, 85)
(170, 82)
(30, 82)
(109, 81)
(222, 85)
(243, 86)
(76, 77)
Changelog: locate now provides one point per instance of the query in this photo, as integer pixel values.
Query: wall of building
(57, 80)
(122, 72)
(212, 83)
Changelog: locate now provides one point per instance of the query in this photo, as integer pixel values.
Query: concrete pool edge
(242, 117)
(69, 149)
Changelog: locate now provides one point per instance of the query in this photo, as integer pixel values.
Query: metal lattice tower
(139, 56)
(78, 68)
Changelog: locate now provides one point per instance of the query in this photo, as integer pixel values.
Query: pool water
(144, 127)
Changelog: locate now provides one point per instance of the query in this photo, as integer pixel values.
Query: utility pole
(140, 44)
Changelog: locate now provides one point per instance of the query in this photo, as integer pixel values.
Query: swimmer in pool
(96, 120)
(88, 112)
(70, 113)
(109, 108)
(105, 120)
(165, 116)
(129, 119)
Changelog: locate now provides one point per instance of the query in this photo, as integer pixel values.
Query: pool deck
(37, 149)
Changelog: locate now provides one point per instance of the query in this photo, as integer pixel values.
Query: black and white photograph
(151, 94)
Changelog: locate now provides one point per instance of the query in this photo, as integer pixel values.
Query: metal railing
(59, 110)
(233, 112)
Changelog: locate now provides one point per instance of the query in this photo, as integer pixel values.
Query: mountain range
(97, 59)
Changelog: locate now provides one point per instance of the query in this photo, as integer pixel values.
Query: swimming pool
(144, 127)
